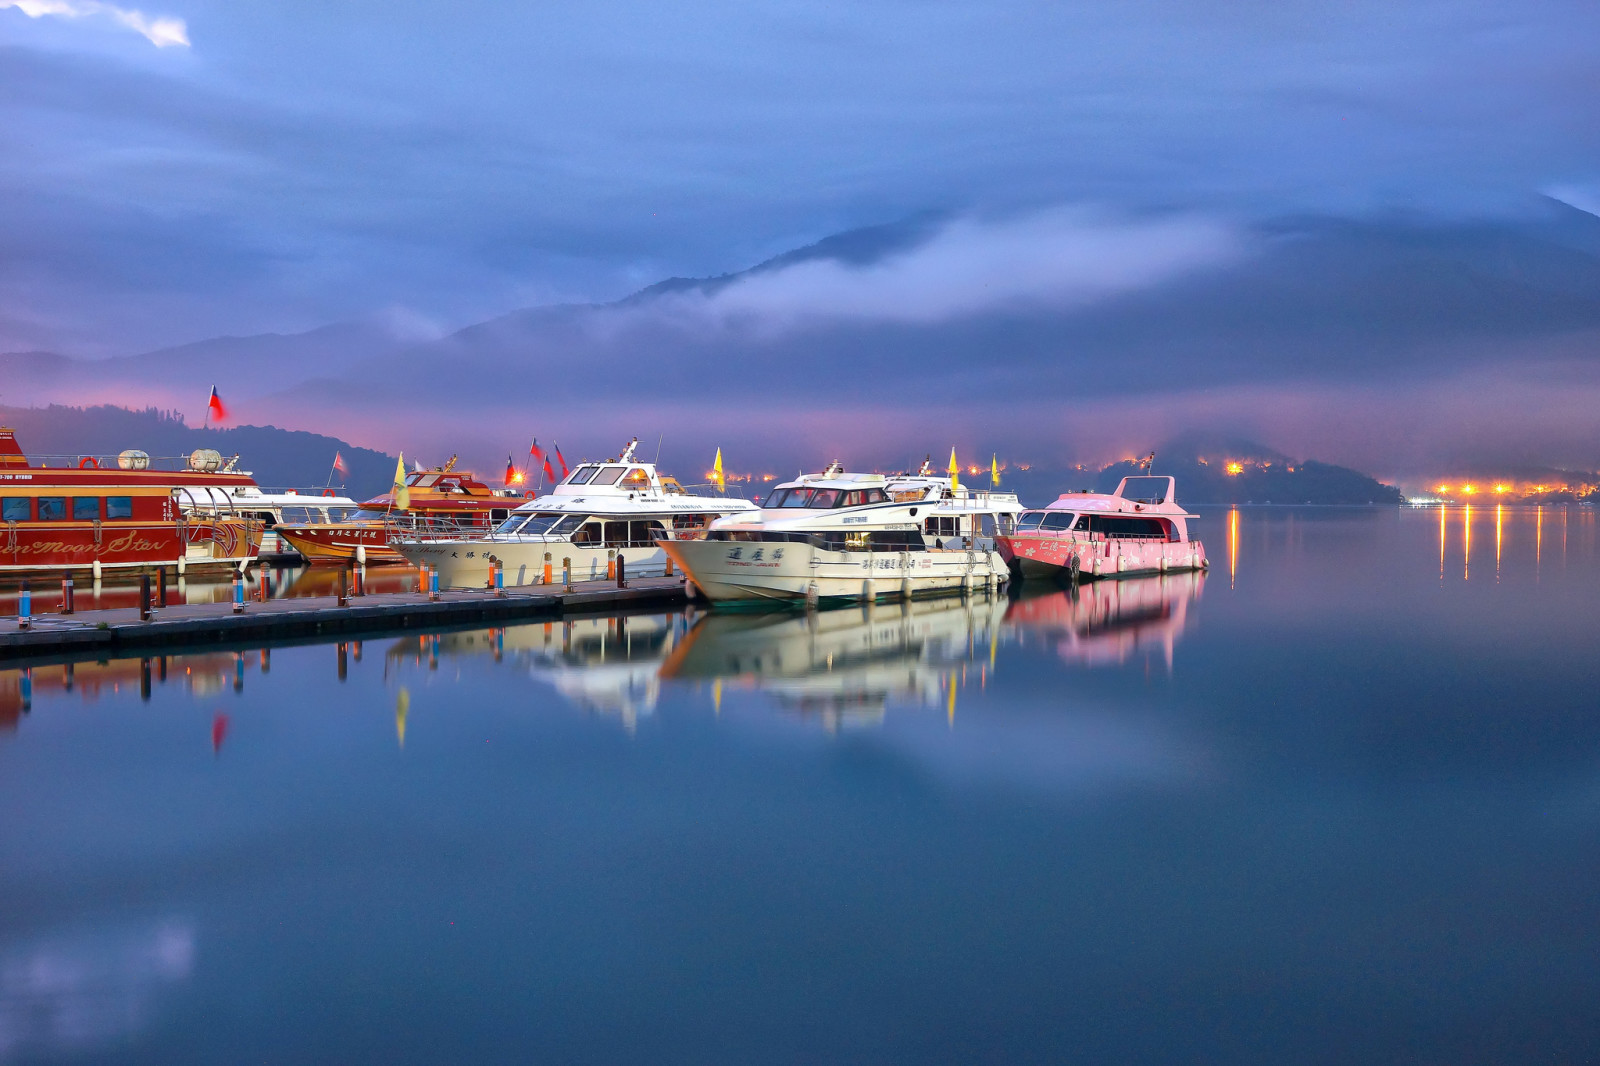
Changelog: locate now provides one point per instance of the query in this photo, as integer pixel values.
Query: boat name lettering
(16, 477)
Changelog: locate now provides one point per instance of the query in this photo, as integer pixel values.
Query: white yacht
(842, 536)
(601, 512)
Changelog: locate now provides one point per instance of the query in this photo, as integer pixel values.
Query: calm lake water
(1338, 801)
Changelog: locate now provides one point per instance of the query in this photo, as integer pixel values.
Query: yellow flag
(717, 474)
(402, 495)
(994, 470)
(955, 472)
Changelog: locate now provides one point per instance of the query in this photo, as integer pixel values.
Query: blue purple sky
(1364, 230)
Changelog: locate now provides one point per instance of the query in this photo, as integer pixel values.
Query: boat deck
(119, 631)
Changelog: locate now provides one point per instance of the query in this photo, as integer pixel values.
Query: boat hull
(757, 573)
(465, 563)
(41, 549)
(1056, 557)
(337, 542)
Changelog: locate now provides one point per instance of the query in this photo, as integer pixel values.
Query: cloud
(1063, 258)
(161, 31)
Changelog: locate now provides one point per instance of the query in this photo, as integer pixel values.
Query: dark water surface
(1339, 801)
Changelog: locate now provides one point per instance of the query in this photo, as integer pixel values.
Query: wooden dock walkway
(120, 632)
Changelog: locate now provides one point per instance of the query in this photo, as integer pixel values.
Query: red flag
(511, 472)
(536, 452)
(214, 408)
(338, 463)
(551, 474)
(562, 461)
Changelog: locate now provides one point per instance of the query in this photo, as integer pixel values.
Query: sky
(1062, 174)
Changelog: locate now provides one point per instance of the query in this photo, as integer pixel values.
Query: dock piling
(66, 595)
(24, 607)
(238, 593)
(144, 597)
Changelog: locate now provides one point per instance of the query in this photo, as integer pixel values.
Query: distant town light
(1235, 468)
(1502, 489)
(1468, 489)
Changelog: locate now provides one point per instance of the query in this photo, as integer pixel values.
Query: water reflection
(1107, 622)
(843, 667)
(607, 665)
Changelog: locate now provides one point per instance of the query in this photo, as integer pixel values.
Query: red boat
(117, 515)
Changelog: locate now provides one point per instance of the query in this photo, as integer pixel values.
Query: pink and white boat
(1139, 529)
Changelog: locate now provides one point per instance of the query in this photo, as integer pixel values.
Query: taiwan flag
(512, 477)
(339, 464)
(214, 408)
(562, 461)
(541, 460)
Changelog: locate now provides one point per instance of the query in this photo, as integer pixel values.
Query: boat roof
(1142, 494)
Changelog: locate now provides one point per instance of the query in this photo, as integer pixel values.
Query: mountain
(1216, 470)
(279, 458)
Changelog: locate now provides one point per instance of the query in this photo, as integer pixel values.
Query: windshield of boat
(365, 515)
(1045, 520)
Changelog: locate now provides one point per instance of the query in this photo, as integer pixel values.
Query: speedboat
(599, 514)
(1139, 529)
(843, 536)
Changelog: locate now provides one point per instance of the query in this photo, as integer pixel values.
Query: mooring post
(622, 572)
(144, 597)
(66, 594)
(238, 593)
(344, 586)
(24, 607)
(566, 573)
(161, 587)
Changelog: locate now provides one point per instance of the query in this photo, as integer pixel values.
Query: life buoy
(329, 492)
(88, 462)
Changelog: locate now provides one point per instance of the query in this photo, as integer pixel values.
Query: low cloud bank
(1063, 259)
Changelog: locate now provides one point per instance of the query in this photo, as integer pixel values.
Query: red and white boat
(108, 515)
(1139, 529)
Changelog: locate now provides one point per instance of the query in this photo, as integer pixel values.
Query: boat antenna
(659, 439)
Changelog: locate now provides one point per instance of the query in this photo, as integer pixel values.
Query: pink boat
(1139, 529)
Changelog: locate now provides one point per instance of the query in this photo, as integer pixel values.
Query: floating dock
(120, 631)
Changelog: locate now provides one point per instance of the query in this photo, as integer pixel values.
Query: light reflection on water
(1337, 808)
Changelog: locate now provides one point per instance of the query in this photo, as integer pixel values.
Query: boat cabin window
(825, 498)
(52, 508)
(364, 514)
(420, 481)
(943, 526)
(16, 509)
(637, 478)
(119, 507)
(582, 475)
(512, 524)
(1116, 527)
(635, 534)
(589, 533)
(551, 524)
(691, 521)
(607, 475)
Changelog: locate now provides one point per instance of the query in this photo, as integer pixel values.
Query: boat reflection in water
(608, 665)
(844, 666)
(1106, 623)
